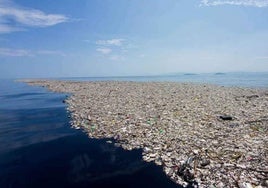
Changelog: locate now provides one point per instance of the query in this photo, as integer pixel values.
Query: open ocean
(39, 149)
(254, 80)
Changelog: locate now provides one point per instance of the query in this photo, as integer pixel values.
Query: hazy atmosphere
(136, 37)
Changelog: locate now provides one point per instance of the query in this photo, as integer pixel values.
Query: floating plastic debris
(178, 126)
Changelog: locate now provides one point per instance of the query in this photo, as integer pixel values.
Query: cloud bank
(254, 3)
(112, 42)
(112, 49)
(104, 50)
(16, 18)
(10, 52)
(14, 52)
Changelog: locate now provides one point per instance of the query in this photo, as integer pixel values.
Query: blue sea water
(39, 149)
(240, 79)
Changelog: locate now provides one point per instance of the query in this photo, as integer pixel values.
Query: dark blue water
(39, 149)
(253, 80)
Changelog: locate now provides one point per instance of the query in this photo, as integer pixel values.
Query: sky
(88, 38)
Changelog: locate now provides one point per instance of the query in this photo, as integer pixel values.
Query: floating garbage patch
(202, 135)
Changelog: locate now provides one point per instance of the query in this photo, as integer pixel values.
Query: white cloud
(14, 52)
(104, 50)
(112, 42)
(113, 47)
(28, 53)
(117, 58)
(50, 52)
(15, 18)
(255, 3)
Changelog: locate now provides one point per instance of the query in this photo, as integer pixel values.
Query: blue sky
(68, 38)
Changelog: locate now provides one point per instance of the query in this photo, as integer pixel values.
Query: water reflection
(77, 161)
(39, 149)
(25, 127)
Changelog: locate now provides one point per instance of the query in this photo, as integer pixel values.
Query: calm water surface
(252, 80)
(39, 149)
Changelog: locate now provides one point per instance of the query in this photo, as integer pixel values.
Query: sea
(38, 147)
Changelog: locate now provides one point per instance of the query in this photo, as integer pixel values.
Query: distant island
(189, 74)
(220, 73)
